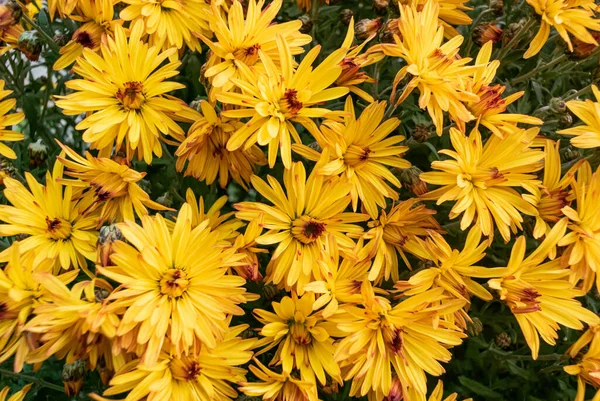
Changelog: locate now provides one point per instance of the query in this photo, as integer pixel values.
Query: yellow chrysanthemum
(8, 120)
(301, 338)
(568, 17)
(206, 155)
(57, 230)
(300, 221)
(380, 339)
(238, 41)
(481, 178)
(360, 151)
(98, 24)
(123, 94)
(108, 186)
(276, 99)
(587, 135)
(491, 107)
(202, 377)
(170, 23)
(246, 245)
(168, 289)
(587, 369)
(582, 254)
(433, 65)
(452, 12)
(539, 294)
(18, 396)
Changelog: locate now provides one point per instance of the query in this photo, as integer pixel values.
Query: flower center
(3, 310)
(131, 95)
(299, 333)
(186, 369)
(58, 228)
(307, 230)
(84, 39)
(524, 300)
(291, 104)
(248, 55)
(356, 155)
(490, 101)
(551, 203)
(174, 283)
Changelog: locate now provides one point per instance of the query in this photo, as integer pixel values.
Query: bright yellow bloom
(360, 151)
(481, 179)
(433, 65)
(491, 107)
(274, 386)
(57, 230)
(587, 368)
(108, 186)
(206, 154)
(170, 23)
(452, 12)
(124, 96)
(223, 224)
(62, 7)
(98, 24)
(568, 17)
(380, 339)
(539, 294)
(238, 40)
(18, 396)
(281, 96)
(395, 233)
(202, 377)
(301, 338)
(586, 135)
(300, 221)
(583, 241)
(168, 289)
(7, 120)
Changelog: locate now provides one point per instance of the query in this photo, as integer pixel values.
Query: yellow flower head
(170, 23)
(281, 96)
(206, 154)
(98, 24)
(18, 396)
(63, 7)
(491, 106)
(539, 294)
(568, 17)
(8, 120)
(360, 151)
(246, 245)
(434, 66)
(206, 375)
(451, 12)
(481, 179)
(222, 223)
(587, 369)
(301, 338)
(124, 96)
(108, 186)
(238, 41)
(10, 28)
(168, 289)
(586, 136)
(57, 230)
(300, 221)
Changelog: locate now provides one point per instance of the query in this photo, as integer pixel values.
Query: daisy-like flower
(168, 289)
(394, 233)
(170, 23)
(204, 376)
(124, 96)
(433, 65)
(204, 150)
(281, 96)
(57, 230)
(582, 254)
(301, 218)
(379, 339)
(98, 24)
(568, 17)
(238, 41)
(360, 150)
(108, 186)
(8, 120)
(20, 293)
(274, 386)
(18, 396)
(451, 12)
(301, 338)
(587, 135)
(491, 107)
(75, 324)
(481, 179)
(587, 369)
(539, 294)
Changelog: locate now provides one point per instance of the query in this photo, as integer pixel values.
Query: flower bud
(503, 340)
(558, 105)
(582, 49)
(474, 327)
(497, 6)
(38, 153)
(10, 14)
(307, 23)
(486, 32)
(120, 157)
(512, 30)
(249, 333)
(411, 180)
(346, 16)
(330, 387)
(30, 45)
(381, 5)
(389, 30)
(421, 133)
(367, 27)
(270, 292)
(569, 153)
(73, 375)
(565, 121)
(107, 237)
(6, 170)
(396, 393)
(315, 146)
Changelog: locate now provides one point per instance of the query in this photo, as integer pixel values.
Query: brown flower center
(58, 228)
(291, 103)
(174, 283)
(84, 39)
(186, 369)
(308, 230)
(131, 95)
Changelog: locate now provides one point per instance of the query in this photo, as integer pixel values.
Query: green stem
(538, 69)
(578, 93)
(549, 357)
(40, 382)
(314, 15)
(51, 43)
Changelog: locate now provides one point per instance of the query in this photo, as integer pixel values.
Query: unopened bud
(330, 387)
(389, 30)
(396, 393)
(582, 49)
(497, 6)
(367, 27)
(38, 153)
(107, 237)
(487, 32)
(73, 375)
(474, 327)
(565, 121)
(120, 157)
(569, 153)
(346, 16)
(270, 292)
(381, 5)
(30, 45)
(503, 340)
(421, 133)
(6, 170)
(411, 180)
(307, 23)
(61, 39)
(10, 14)
(558, 105)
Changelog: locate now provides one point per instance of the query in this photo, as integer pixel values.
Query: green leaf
(479, 389)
